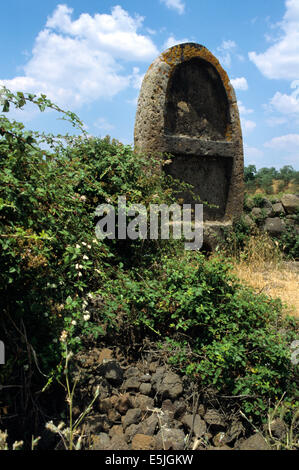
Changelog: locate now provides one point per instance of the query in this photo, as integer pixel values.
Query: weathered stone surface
(248, 220)
(105, 355)
(278, 208)
(145, 378)
(112, 372)
(173, 439)
(149, 425)
(143, 402)
(131, 417)
(256, 212)
(278, 428)
(290, 203)
(167, 384)
(132, 383)
(224, 447)
(143, 442)
(101, 441)
(274, 225)
(219, 439)
(214, 419)
(124, 403)
(131, 372)
(113, 416)
(179, 409)
(255, 442)
(145, 388)
(187, 107)
(267, 207)
(116, 430)
(118, 443)
(131, 431)
(198, 425)
(235, 429)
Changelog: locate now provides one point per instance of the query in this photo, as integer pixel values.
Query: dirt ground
(281, 281)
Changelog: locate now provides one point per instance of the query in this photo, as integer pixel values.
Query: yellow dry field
(261, 266)
(280, 281)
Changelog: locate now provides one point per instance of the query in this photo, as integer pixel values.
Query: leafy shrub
(50, 258)
(53, 266)
(233, 333)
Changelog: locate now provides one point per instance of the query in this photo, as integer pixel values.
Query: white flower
(86, 317)
(85, 257)
(78, 246)
(79, 274)
(74, 322)
(84, 244)
(89, 247)
(63, 336)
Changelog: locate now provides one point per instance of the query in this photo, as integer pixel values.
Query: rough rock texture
(278, 428)
(278, 209)
(167, 384)
(187, 107)
(167, 418)
(290, 202)
(143, 442)
(275, 226)
(195, 424)
(275, 218)
(255, 442)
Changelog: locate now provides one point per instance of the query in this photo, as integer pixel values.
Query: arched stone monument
(187, 107)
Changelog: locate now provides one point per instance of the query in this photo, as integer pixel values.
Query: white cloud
(287, 104)
(227, 45)
(243, 110)
(280, 60)
(276, 121)
(102, 124)
(79, 61)
(172, 41)
(177, 5)
(288, 143)
(252, 153)
(240, 83)
(247, 125)
(225, 50)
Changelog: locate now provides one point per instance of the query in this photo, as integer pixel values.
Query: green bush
(52, 266)
(50, 258)
(233, 332)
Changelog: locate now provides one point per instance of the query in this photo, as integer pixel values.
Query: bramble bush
(238, 338)
(52, 265)
(50, 258)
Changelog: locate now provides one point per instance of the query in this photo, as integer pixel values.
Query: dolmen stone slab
(187, 108)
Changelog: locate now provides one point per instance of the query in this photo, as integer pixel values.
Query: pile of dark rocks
(144, 405)
(274, 217)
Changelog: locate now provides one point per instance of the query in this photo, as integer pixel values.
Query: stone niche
(187, 108)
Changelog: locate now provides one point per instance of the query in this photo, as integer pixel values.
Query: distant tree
(287, 173)
(265, 177)
(249, 173)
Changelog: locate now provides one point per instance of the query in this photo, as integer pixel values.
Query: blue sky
(90, 57)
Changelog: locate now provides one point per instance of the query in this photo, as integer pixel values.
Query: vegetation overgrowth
(212, 327)
(270, 180)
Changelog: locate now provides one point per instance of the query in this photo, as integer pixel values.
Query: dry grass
(291, 187)
(260, 266)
